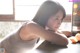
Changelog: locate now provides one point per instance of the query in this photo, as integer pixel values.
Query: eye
(56, 17)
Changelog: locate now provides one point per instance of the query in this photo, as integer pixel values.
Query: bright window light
(6, 7)
(26, 9)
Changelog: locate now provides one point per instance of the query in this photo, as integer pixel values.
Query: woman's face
(55, 21)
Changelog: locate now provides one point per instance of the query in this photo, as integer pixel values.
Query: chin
(54, 30)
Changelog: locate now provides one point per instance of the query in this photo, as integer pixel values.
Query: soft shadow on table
(46, 47)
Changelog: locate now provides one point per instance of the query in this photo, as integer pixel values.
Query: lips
(56, 27)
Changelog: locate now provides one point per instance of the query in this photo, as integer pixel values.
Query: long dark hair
(47, 9)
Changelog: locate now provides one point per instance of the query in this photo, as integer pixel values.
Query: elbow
(64, 42)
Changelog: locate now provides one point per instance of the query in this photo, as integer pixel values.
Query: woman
(45, 24)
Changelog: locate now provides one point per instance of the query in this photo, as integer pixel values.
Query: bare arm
(35, 29)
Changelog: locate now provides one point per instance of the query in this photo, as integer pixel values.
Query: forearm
(56, 38)
(39, 31)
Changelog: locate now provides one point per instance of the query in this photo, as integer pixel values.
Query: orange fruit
(77, 36)
(73, 39)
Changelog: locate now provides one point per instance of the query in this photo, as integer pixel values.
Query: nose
(59, 22)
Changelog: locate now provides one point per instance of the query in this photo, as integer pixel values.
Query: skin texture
(32, 30)
(28, 34)
(55, 21)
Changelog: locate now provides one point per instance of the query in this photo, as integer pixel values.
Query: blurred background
(13, 13)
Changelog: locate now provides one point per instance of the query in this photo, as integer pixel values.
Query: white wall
(6, 7)
(26, 9)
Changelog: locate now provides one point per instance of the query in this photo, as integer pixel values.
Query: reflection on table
(47, 47)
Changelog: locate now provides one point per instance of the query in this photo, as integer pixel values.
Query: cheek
(50, 24)
(53, 24)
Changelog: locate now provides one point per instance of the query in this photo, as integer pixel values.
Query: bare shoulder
(27, 31)
(30, 26)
